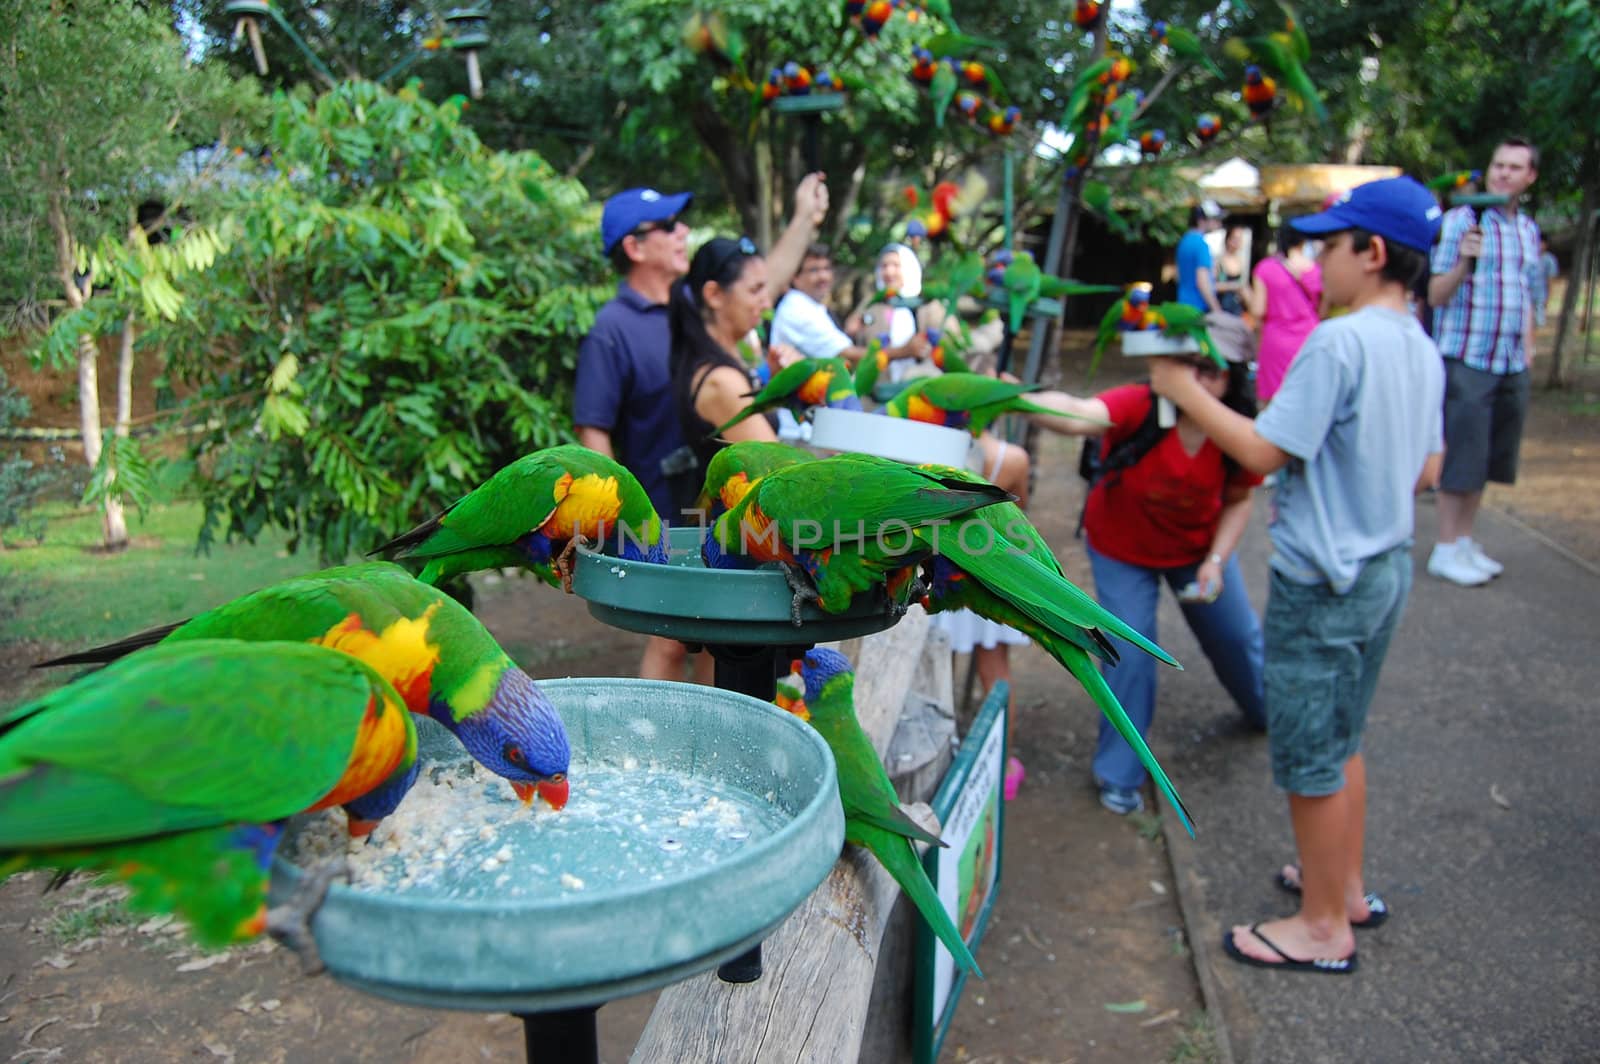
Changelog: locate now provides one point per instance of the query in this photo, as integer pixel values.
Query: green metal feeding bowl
(469, 27)
(699, 820)
(247, 8)
(686, 601)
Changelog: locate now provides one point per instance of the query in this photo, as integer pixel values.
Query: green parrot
(1180, 320)
(174, 770)
(941, 90)
(1025, 283)
(1083, 88)
(439, 657)
(841, 526)
(1121, 113)
(949, 44)
(733, 469)
(963, 401)
(810, 382)
(871, 366)
(1096, 195)
(1281, 58)
(995, 563)
(872, 814)
(530, 514)
(965, 278)
(1184, 44)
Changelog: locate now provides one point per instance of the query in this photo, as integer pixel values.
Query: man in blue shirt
(1196, 281)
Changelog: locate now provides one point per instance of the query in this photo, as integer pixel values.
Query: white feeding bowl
(889, 437)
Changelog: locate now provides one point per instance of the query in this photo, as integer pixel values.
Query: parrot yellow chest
(815, 390)
(380, 744)
(400, 653)
(734, 490)
(919, 409)
(586, 505)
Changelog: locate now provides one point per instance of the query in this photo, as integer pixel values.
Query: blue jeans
(1229, 634)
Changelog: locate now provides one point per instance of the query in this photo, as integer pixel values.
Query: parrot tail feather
(112, 651)
(899, 857)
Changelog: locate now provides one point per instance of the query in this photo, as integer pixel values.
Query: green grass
(66, 591)
(75, 925)
(1196, 1044)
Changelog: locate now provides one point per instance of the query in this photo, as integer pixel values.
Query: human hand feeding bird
(872, 815)
(174, 770)
(530, 515)
(435, 653)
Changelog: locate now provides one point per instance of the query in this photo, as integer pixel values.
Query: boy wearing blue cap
(1356, 428)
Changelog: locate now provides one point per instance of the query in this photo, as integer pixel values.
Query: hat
(1210, 208)
(627, 211)
(1396, 208)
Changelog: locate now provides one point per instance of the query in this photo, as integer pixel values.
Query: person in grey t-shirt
(1356, 426)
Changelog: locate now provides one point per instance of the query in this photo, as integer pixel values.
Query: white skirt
(967, 630)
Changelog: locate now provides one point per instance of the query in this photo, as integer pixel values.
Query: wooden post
(813, 1002)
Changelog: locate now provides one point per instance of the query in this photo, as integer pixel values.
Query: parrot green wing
(1108, 330)
(861, 494)
(181, 737)
(754, 458)
(517, 499)
(865, 790)
(899, 858)
(777, 391)
(941, 90)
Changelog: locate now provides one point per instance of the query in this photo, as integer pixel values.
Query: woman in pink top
(1286, 298)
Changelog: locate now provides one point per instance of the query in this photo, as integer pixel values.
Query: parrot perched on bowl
(1131, 313)
(995, 563)
(174, 770)
(841, 526)
(872, 814)
(800, 386)
(733, 469)
(530, 513)
(1179, 320)
(963, 401)
(439, 657)
(1025, 283)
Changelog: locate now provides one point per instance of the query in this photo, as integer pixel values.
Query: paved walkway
(1482, 748)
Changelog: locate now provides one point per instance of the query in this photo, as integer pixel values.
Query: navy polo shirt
(624, 387)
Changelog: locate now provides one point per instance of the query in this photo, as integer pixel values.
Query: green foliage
(393, 314)
(123, 472)
(21, 483)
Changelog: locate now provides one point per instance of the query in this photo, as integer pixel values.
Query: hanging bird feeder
(248, 15)
(469, 33)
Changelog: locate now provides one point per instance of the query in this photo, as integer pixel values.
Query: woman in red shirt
(1174, 515)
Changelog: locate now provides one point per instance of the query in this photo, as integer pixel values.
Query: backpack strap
(1124, 454)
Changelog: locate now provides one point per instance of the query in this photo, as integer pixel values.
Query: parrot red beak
(360, 829)
(796, 667)
(554, 792)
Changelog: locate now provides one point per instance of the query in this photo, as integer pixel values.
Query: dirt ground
(1086, 955)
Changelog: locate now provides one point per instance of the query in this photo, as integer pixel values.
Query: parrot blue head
(921, 54)
(517, 735)
(714, 557)
(260, 839)
(820, 665)
(1252, 75)
(791, 69)
(537, 548)
(1158, 29)
(654, 553)
(365, 812)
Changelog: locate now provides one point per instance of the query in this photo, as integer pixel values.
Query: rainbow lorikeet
(841, 526)
(530, 514)
(1260, 92)
(1183, 44)
(1272, 54)
(1025, 283)
(872, 814)
(1454, 180)
(174, 770)
(1206, 127)
(800, 386)
(439, 657)
(962, 401)
(942, 85)
(871, 366)
(995, 563)
(1131, 313)
(733, 469)
(1180, 320)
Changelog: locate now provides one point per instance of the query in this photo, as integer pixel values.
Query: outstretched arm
(810, 208)
(1071, 405)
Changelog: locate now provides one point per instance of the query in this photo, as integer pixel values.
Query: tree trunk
(115, 525)
(764, 197)
(1578, 281)
(125, 377)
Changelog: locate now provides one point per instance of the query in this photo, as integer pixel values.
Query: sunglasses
(744, 246)
(664, 225)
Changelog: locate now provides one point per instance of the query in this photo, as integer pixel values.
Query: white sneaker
(1453, 562)
(1475, 553)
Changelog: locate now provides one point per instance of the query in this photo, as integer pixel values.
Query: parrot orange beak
(554, 792)
(360, 829)
(796, 666)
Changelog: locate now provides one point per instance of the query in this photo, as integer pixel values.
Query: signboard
(966, 872)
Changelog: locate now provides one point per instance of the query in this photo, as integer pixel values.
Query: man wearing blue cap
(622, 402)
(1357, 430)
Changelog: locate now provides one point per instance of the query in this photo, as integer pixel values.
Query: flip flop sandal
(1377, 909)
(1321, 965)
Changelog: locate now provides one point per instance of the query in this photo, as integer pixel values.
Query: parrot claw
(290, 923)
(564, 561)
(803, 590)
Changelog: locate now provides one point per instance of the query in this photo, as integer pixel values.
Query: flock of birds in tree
(175, 766)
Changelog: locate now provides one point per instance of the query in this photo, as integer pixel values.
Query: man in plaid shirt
(1485, 285)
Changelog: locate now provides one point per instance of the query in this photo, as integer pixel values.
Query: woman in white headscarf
(898, 271)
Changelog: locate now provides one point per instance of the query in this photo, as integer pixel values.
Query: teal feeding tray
(699, 820)
(812, 103)
(686, 601)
